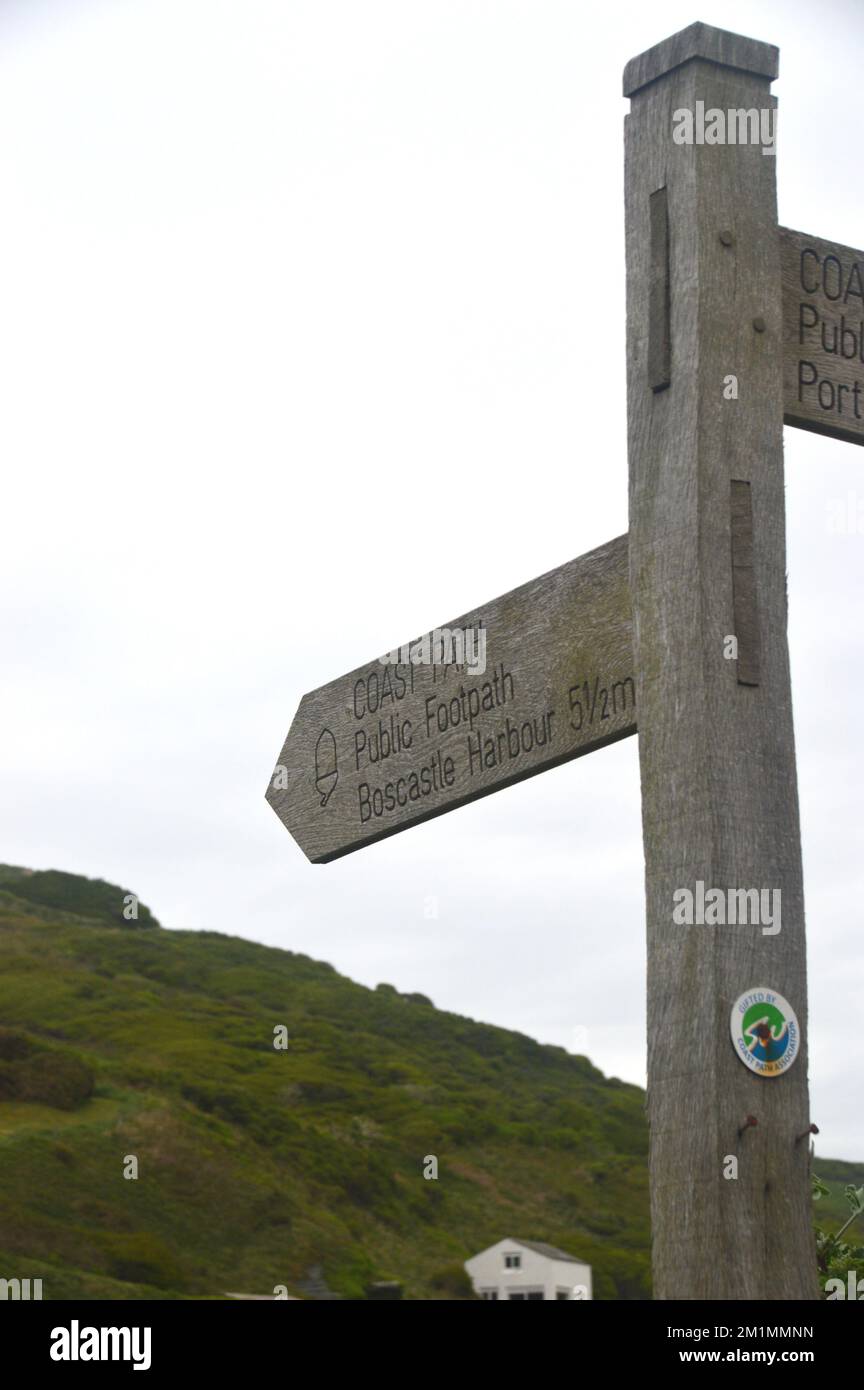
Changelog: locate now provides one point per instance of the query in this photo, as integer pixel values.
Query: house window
(512, 1261)
(489, 1294)
(565, 1295)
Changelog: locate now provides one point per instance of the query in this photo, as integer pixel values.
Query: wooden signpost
(733, 325)
(716, 749)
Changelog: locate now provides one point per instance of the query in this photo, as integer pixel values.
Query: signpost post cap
(701, 41)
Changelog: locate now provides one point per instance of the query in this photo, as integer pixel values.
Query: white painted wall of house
(488, 1271)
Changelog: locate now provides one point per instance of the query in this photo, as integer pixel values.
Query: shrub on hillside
(54, 1078)
(8, 1084)
(142, 1259)
(453, 1280)
(13, 1046)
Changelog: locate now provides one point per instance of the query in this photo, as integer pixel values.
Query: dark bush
(8, 1082)
(453, 1279)
(53, 1078)
(142, 1259)
(13, 1046)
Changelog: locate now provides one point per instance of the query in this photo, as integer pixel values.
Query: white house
(528, 1269)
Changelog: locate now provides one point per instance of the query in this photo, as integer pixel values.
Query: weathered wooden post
(716, 747)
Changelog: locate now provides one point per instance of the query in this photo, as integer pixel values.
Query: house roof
(550, 1251)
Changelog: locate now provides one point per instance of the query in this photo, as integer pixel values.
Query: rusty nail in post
(727, 239)
(759, 325)
(749, 1123)
(811, 1129)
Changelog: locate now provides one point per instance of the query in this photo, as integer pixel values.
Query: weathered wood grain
(717, 759)
(558, 683)
(823, 335)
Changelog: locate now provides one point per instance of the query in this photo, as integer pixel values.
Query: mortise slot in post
(744, 583)
(659, 346)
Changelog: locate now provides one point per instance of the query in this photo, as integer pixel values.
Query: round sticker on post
(765, 1031)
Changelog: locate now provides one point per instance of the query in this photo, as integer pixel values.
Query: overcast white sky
(313, 337)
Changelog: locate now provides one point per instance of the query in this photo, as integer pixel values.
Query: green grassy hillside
(260, 1166)
(299, 1165)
